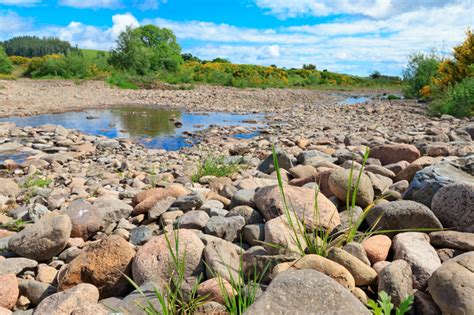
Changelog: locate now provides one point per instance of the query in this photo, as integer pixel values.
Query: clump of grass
(393, 97)
(39, 182)
(384, 306)
(173, 300)
(215, 166)
(15, 225)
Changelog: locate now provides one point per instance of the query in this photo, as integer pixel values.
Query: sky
(348, 36)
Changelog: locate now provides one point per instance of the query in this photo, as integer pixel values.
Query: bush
(32, 46)
(73, 65)
(19, 60)
(419, 73)
(5, 63)
(458, 100)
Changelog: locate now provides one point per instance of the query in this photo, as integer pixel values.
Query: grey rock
(424, 304)
(338, 183)
(250, 215)
(140, 235)
(112, 210)
(396, 280)
(415, 248)
(254, 234)
(452, 239)
(243, 197)
(226, 228)
(285, 161)
(196, 219)
(358, 251)
(160, 207)
(216, 212)
(305, 156)
(429, 180)
(306, 292)
(189, 202)
(222, 260)
(35, 291)
(16, 265)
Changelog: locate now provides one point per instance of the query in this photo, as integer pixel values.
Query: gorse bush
(5, 63)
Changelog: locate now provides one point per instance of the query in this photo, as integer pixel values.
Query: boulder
(227, 228)
(452, 285)
(222, 259)
(153, 261)
(415, 248)
(396, 280)
(9, 291)
(16, 265)
(44, 239)
(300, 201)
(35, 291)
(377, 247)
(280, 238)
(453, 205)
(112, 210)
(338, 183)
(306, 292)
(285, 161)
(429, 180)
(67, 301)
(196, 219)
(363, 274)
(104, 265)
(85, 218)
(393, 153)
(402, 214)
(452, 239)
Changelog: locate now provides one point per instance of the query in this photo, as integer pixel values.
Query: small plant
(173, 300)
(35, 181)
(384, 306)
(15, 225)
(215, 166)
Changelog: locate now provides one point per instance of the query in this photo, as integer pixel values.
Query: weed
(34, 181)
(215, 166)
(15, 225)
(384, 306)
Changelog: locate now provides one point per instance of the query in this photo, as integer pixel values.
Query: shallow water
(154, 127)
(353, 100)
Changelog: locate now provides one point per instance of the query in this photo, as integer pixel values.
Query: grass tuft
(215, 166)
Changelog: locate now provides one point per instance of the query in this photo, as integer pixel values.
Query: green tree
(146, 49)
(309, 67)
(419, 74)
(32, 46)
(5, 63)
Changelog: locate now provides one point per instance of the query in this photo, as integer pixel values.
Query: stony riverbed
(79, 211)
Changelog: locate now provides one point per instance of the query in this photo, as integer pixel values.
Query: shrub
(5, 63)
(457, 101)
(419, 73)
(73, 65)
(19, 60)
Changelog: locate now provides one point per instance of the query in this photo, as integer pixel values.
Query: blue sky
(350, 36)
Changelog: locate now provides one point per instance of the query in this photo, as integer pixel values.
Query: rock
(44, 239)
(453, 205)
(4, 311)
(227, 228)
(363, 274)
(415, 248)
(140, 235)
(303, 171)
(16, 265)
(104, 265)
(253, 234)
(169, 217)
(46, 274)
(428, 181)
(85, 218)
(402, 214)
(306, 292)
(145, 200)
(9, 188)
(189, 202)
(281, 239)
(250, 215)
(212, 289)
(424, 304)
(9, 291)
(377, 247)
(112, 210)
(338, 183)
(380, 170)
(396, 280)
(160, 207)
(452, 285)
(67, 301)
(453, 239)
(357, 249)
(196, 219)
(393, 153)
(222, 260)
(379, 265)
(284, 162)
(330, 268)
(35, 291)
(243, 197)
(153, 261)
(299, 200)
(91, 308)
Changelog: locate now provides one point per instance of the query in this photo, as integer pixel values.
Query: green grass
(15, 225)
(92, 53)
(215, 166)
(384, 306)
(34, 181)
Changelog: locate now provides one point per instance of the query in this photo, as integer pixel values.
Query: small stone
(254, 234)
(222, 260)
(227, 228)
(338, 183)
(189, 202)
(212, 289)
(35, 291)
(357, 249)
(85, 218)
(9, 291)
(452, 239)
(196, 219)
(377, 247)
(46, 274)
(363, 274)
(396, 280)
(250, 215)
(16, 265)
(140, 235)
(9, 188)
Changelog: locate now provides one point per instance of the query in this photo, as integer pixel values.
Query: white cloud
(148, 4)
(269, 52)
(121, 21)
(82, 4)
(11, 22)
(20, 3)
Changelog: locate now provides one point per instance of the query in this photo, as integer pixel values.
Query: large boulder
(306, 292)
(454, 206)
(154, 261)
(44, 239)
(415, 248)
(393, 153)
(104, 265)
(402, 214)
(338, 183)
(300, 201)
(68, 301)
(429, 180)
(452, 285)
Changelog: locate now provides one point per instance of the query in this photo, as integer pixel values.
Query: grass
(215, 166)
(173, 300)
(15, 225)
(384, 306)
(34, 181)
(92, 53)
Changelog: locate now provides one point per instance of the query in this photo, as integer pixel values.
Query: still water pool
(154, 127)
